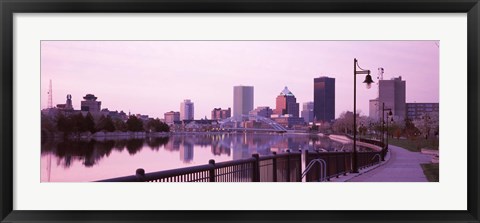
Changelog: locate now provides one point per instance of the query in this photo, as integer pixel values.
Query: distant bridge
(271, 126)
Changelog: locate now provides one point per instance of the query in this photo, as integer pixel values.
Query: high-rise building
(391, 92)
(307, 111)
(90, 104)
(374, 109)
(242, 100)
(220, 114)
(417, 110)
(171, 117)
(324, 99)
(263, 111)
(286, 103)
(186, 110)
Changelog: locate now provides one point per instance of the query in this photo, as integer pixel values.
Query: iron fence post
(306, 164)
(299, 165)
(319, 156)
(288, 165)
(256, 168)
(329, 165)
(274, 165)
(337, 165)
(140, 174)
(212, 170)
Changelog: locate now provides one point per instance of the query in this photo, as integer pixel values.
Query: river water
(81, 161)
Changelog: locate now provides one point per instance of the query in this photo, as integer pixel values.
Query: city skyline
(125, 75)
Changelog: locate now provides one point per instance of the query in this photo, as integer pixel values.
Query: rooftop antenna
(50, 95)
(379, 77)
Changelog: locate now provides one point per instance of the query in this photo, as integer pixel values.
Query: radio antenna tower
(50, 95)
(379, 78)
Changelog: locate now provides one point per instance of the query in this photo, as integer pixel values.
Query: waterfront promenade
(402, 166)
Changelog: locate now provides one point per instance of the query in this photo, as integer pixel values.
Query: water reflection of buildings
(218, 149)
(186, 152)
(244, 145)
(240, 151)
(91, 152)
(233, 146)
(173, 144)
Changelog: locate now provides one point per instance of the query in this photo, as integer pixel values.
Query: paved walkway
(403, 166)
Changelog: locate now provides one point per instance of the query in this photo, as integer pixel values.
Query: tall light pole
(368, 81)
(385, 146)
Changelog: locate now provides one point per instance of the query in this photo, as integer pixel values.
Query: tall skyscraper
(186, 110)
(324, 99)
(392, 92)
(307, 111)
(242, 100)
(286, 103)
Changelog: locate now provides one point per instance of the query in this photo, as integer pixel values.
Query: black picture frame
(9, 7)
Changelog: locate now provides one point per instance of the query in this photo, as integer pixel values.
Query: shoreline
(140, 135)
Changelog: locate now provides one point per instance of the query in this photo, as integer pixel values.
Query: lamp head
(390, 113)
(368, 80)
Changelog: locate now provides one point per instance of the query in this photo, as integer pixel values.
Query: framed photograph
(194, 111)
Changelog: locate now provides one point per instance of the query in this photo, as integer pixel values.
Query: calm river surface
(80, 161)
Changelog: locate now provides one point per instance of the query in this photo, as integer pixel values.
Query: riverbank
(139, 135)
(346, 140)
(107, 135)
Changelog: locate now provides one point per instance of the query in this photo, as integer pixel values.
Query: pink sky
(153, 77)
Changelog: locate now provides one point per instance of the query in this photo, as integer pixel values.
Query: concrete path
(403, 166)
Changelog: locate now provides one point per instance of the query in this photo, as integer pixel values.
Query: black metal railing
(285, 167)
(338, 163)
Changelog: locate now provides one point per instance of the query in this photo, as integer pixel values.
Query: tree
(89, 123)
(344, 123)
(362, 130)
(427, 124)
(134, 124)
(410, 130)
(47, 123)
(314, 127)
(162, 127)
(155, 125)
(120, 125)
(325, 127)
(79, 123)
(64, 124)
(106, 124)
(109, 126)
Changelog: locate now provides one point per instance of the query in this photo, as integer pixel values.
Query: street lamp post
(385, 147)
(368, 81)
